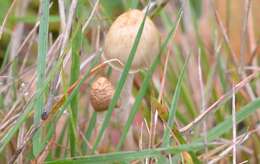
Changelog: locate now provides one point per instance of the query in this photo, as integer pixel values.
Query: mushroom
(121, 36)
(101, 94)
(118, 44)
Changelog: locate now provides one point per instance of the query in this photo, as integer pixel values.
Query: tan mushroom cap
(101, 94)
(121, 36)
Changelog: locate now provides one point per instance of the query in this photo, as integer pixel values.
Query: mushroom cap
(101, 94)
(121, 36)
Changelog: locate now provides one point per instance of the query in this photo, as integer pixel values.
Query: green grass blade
(41, 64)
(120, 84)
(134, 4)
(90, 129)
(75, 71)
(131, 155)
(60, 140)
(226, 125)
(111, 8)
(173, 108)
(31, 19)
(186, 93)
(145, 84)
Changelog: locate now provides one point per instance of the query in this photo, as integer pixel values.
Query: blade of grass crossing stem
(58, 150)
(75, 71)
(89, 131)
(130, 155)
(120, 84)
(41, 62)
(145, 84)
(173, 108)
(226, 125)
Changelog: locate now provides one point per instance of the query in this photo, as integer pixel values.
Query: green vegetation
(197, 98)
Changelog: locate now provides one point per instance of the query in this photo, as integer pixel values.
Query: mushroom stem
(105, 139)
(126, 95)
(123, 112)
(100, 119)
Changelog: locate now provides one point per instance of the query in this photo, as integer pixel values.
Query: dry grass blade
(222, 99)
(234, 126)
(203, 104)
(62, 15)
(234, 56)
(91, 16)
(239, 140)
(6, 17)
(224, 33)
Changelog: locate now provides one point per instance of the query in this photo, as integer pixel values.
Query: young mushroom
(101, 94)
(118, 44)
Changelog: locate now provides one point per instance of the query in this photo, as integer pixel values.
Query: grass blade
(173, 108)
(226, 125)
(186, 93)
(75, 71)
(131, 155)
(90, 129)
(41, 64)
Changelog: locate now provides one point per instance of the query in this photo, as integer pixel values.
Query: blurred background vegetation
(221, 37)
